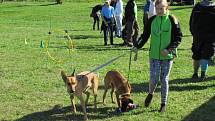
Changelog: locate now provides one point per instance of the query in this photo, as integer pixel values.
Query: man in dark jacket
(202, 27)
(131, 22)
(96, 15)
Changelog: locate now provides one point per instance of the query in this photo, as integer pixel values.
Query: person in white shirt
(149, 11)
(152, 10)
(118, 15)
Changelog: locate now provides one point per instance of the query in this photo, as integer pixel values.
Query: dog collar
(124, 94)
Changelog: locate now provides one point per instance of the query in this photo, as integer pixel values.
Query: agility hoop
(71, 43)
(49, 54)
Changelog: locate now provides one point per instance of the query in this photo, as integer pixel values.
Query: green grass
(30, 82)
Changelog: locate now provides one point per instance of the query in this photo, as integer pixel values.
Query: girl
(165, 37)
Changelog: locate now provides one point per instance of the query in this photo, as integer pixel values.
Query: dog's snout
(71, 91)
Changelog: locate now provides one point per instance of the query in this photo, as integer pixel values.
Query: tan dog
(79, 84)
(120, 86)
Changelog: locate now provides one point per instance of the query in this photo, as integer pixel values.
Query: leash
(107, 63)
(129, 65)
(114, 59)
(135, 59)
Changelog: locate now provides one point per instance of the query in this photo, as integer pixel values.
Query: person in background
(107, 14)
(202, 24)
(118, 15)
(149, 11)
(113, 3)
(96, 15)
(152, 10)
(165, 37)
(131, 22)
(145, 12)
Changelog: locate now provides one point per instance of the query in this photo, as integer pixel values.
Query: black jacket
(129, 11)
(202, 22)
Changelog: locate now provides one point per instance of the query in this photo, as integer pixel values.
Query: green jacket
(165, 34)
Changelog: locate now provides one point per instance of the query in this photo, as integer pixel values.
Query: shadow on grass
(187, 35)
(181, 8)
(72, 30)
(91, 48)
(140, 7)
(143, 87)
(116, 47)
(206, 112)
(49, 4)
(30, 5)
(189, 87)
(102, 48)
(58, 47)
(85, 36)
(77, 37)
(189, 80)
(63, 113)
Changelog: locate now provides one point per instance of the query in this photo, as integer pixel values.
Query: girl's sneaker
(148, 100)
(162, 108)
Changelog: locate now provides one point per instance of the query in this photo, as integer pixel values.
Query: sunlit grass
(30, 82)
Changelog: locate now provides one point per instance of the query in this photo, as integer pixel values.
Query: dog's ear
(63, 76)
(73, 73)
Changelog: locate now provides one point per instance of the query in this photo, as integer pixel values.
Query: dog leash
(135, 59)
(114, 59)
(129, 65)
(107, 63)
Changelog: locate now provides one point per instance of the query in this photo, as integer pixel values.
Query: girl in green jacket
(165, 37)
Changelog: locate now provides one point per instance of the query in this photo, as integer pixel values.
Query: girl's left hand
(164, 52)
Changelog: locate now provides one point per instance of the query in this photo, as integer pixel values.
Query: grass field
(31, 85)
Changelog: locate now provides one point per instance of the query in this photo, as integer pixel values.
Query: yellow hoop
(70, 43)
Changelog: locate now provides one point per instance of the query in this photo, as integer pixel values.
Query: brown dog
(120, 86)
(79, 84)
